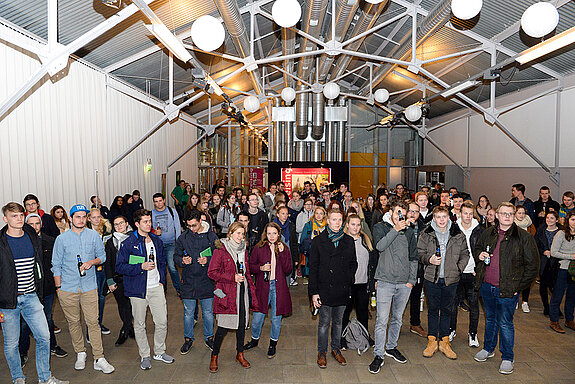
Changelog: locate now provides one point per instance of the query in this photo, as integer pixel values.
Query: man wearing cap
(75, 253)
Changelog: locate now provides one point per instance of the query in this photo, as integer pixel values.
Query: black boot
(252, 344)
(122, 338)
(272, 348)
(131, 333)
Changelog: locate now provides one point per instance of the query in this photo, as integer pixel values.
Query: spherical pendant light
(251, 104)
(466, 9)
(286, 13)
(540, 19)
(208, 33)
(374, 1)
(381, 95)
(413, 113)
(331, 90)
(288, 94)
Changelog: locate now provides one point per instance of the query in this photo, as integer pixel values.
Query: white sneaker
(102, 364)
(452, 336)
(80, 361)
(525, 307)
(473, 341)
(293, 282)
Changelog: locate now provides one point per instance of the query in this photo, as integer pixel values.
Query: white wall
(54, 140)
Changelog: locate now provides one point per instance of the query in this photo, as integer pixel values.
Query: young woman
(258, 193)
(381, 208)
(563, 248)
(213, 211)
(548, 266)
(61, 218)
(368, 208)
(130, 208)
(523, 221)
(230, 271)
(491, 219)
(356, 206)
(481, 209)
(203, 207)
(296, 203)
(186, 196)
(334, 205)
(192, 203)
(228, 213)
(270, 262)
(118, 208)
(311, 229)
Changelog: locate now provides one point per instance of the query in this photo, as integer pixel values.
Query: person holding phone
(270, 262)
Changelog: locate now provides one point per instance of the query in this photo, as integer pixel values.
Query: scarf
(285, 229)
(317, 228)
(235, 249)
(335, 237)
(119, 237)
(525, 223)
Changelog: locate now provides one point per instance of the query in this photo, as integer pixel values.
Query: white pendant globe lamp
(208, 33)
(288, 94)
(251, 104)
(466, 9)
(413, 113)
(381, 95)
(286, 13)
(540, 19)
(331, 90)
(374, 1)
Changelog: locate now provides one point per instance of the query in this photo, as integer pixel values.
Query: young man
(289, 237)
(142, 262)
(281, 189)
(137, 202)
(395, 275)
(332, 264)
(465, 289)
(325, 199)
(347, 199)
(97, 203)
(49, 226)
(567, 206)
(518, 198)
(48, 291)
(513, 265)
(425, 213)
(341, 193)
(75, 253)
(307, 192)
(167, 225)
(445, 199)
(544, 204)
(257, 221)
(269, 198)
(193, 253)
(415, 221)
(456, 210)
(177, 194)
(21, 280)
(443, 250)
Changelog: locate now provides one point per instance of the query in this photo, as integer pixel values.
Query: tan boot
(431, 346)
(570, 324)
(445, 348)
(556, 327)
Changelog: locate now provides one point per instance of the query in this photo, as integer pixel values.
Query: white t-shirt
(153, 275)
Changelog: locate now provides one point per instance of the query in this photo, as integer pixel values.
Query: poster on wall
(295, 177)
(256, 179)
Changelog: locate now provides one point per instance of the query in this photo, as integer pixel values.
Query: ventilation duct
(301, 113)
(318, 112)
(288, 48)
(314, 13)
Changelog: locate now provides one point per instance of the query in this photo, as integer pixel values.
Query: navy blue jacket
(135, 278)
(195, 281)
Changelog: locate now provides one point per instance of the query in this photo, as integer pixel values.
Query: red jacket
(261, 256)
(222, 270)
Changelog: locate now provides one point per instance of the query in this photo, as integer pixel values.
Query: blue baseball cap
(78, 208)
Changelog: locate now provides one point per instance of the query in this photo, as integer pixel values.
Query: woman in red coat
(270, 262)
(229, 268)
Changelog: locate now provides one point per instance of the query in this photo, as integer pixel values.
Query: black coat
(110, 264)
(542, 246)
(332, 270)
(49, 226)
(256, 228)
(8, 276)
(195, 281)
(539, 205)
(49, 287)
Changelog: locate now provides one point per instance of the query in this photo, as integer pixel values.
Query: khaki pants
(156, 300)
(87, 302)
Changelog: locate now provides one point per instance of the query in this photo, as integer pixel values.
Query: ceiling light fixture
(288, 94)
(556, 42)
(208, 33)
(413, 113)
(251, 104)
(458, 88)
(466, 9)
(331, 90)
(381, 95)
(170, 41)
(540, 19)
(286, 13)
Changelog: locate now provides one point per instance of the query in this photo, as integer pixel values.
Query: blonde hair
(506, 204)
(104, 226)
(234, 227)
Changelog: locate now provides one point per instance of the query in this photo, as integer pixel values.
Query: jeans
(190, 309)
(169, 250)
(466, 285)
(561, 286)
(29, 307)
(327, 315)
(101, 281)
(259, 317)
(359, 300)
(440, 299)
(499, 313)
(24, 345)
(390, 298)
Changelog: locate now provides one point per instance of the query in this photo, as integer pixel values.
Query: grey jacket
(456, 254)
(397, 254)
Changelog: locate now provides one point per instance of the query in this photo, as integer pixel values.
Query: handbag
(571, 272)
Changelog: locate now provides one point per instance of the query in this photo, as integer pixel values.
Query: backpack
(356, 336)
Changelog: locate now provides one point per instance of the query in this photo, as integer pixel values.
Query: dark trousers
(562, 288)
(124, 307)
(544, 293)
(24, 344)
(327, 315)
(466, 286)
(525, 294)
(414, 302)
(359, 300)
(440, 299)
(240, 333)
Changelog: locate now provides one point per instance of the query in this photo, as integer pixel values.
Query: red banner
(256, 179)
(294, 178)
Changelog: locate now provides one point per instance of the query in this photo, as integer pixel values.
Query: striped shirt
(23, 253)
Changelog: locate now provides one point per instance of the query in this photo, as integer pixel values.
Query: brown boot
(431, 346)
(418, 330)
(570, 324)
(214, 364)
(554, 325)
(321, 359)
(445, 348)
(338, 357)
(241, 359)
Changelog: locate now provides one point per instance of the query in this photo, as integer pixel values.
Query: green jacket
(518, 259)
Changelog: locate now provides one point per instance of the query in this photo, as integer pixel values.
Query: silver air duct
(313, 15)
(318, 111)
(301, 112)
(288, 48)
(340, 136)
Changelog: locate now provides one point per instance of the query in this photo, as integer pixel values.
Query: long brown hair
(64, 216)
(568, 235)
(364, 235)
(264, 240)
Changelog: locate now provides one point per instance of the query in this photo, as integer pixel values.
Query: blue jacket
(135, 278)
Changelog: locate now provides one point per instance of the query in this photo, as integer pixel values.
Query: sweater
(563, 249)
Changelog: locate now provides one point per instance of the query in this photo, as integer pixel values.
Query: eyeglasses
(413, 211)
(119, 223)
(506, 214)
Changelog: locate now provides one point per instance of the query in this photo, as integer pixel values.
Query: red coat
(222, 270)
(261, 256)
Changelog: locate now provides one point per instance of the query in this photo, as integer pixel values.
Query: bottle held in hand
(241, 269)
(82, 271)
(151, 257)
(266, 276)
(487, 260)
(373, 300)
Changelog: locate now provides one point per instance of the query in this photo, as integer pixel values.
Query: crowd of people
(229, 251)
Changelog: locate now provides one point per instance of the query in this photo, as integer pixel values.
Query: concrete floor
(542, 356)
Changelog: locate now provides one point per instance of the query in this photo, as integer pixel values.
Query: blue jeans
(207, 317)
(333, 315)
(24, 346)
(499, 313)
(440, 299)
(259, 317)
(390, 297)
(30, 308)
(561, 286)
(169, 250)
(101, 281)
